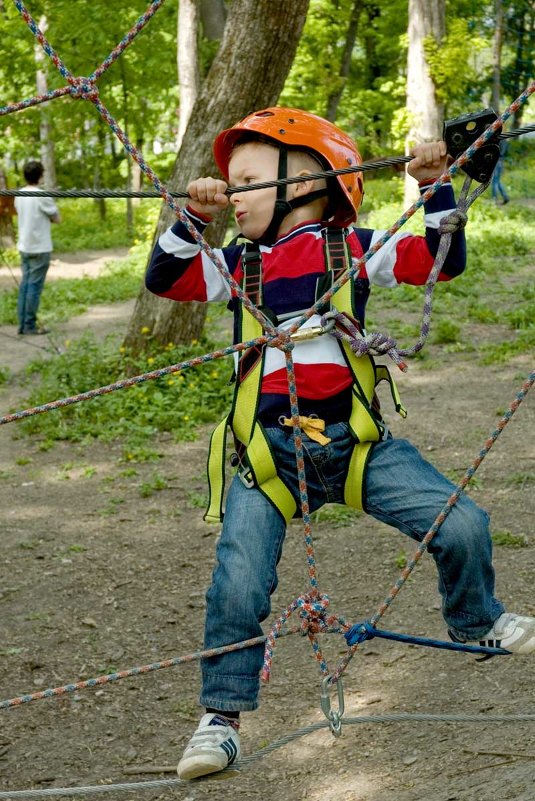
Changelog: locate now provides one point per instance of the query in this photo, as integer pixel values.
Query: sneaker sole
(195, 767)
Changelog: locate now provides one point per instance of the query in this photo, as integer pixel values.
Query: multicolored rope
(132, 381)
(109, 678)
(312, 608)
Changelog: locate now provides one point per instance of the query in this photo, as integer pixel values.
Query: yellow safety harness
(256, 460)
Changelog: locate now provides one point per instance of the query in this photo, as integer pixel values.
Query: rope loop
(83, 88)
(312, 608)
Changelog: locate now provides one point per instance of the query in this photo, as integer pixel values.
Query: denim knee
(464, 533)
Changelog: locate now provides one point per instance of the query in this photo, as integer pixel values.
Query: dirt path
(97, 574)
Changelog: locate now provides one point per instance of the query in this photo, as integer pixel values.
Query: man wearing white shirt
(35, 214)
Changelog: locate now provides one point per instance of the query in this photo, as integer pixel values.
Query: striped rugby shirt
(291, 269)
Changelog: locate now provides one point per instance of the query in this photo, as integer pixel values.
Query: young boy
(297, 233)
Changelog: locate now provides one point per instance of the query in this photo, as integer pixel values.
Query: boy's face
(251, 163)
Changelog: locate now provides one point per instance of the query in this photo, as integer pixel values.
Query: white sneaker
(214, 746)
(515, 633)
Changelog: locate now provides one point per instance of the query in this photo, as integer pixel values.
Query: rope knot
(312, 607)
(359, 633)
(453, 222)
(83, 88)
(282, 341)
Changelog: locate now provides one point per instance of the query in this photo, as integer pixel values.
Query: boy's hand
(207, 195)
(430, 160)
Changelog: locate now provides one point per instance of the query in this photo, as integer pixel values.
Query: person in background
(35, 215)
(497, 187)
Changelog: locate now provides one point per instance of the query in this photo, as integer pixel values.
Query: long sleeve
(180, 270)
(406, 258)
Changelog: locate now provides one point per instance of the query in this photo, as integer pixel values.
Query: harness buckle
(246, 477)
(386, 431)
(334, 716)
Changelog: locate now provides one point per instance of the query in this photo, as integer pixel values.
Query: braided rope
(134, 380)
(245, 761)
(109, 678)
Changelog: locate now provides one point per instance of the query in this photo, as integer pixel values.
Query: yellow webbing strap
(363, 424)
(216, 472)
(248, 431)
(362, 421)
(354, 486)
(261, 461)
(383, 374)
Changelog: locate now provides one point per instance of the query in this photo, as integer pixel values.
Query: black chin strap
(283, 207)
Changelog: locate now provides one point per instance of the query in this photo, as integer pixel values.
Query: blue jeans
(34, 269)
(402, 489)
(496, 184)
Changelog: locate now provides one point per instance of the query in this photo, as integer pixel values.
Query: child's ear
(303, 187)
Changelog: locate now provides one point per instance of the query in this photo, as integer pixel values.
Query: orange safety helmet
(301, 130)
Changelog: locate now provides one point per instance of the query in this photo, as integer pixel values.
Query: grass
(177, 402)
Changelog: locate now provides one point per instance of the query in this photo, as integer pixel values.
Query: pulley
(461, 132)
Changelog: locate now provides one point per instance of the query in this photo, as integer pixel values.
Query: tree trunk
(427, 18)
(101, 137)
(45, 129)
(213, 16)
(187, 62)
(129, 161)
(333, 100)
(7, 210)
(524, 23)
(497, 56)
(249, 71)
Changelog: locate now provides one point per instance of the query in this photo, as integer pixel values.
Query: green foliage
(139, 89)
(374, 88)
(156, 484)
(82, 227)
(505, 539)
(451, 64)
(446, 331)
(336, 515)
(177, 402)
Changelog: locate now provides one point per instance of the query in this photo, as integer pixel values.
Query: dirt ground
(96, 576)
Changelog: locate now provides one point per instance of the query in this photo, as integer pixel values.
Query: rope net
(311, 606)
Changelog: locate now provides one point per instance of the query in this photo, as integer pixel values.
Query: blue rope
(365, 631)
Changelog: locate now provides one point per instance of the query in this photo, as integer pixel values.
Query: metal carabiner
(333, 716)
(312, 331)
